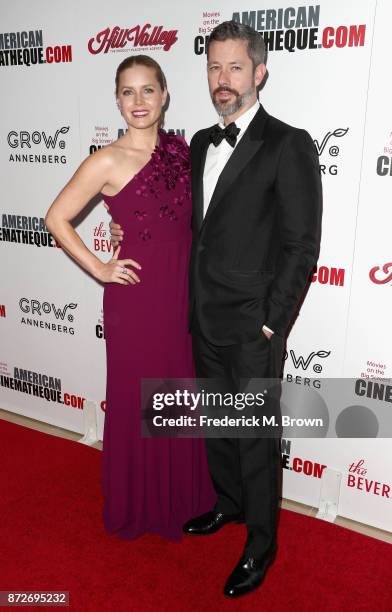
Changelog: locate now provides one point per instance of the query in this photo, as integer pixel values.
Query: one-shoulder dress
(151, 484)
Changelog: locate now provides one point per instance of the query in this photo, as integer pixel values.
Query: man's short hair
(232, 30)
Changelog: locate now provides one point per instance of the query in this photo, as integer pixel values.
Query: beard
(225, 108)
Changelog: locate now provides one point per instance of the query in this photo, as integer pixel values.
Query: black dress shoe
(210, 522)
(248, 574)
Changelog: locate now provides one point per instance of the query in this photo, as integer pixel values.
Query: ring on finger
(124, 271)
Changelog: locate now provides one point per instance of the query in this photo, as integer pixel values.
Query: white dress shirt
(217, 158)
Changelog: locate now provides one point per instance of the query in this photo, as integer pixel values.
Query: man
(256, 233)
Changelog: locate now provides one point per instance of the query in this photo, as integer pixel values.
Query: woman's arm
(89, 179)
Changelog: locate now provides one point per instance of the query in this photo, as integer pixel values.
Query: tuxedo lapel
(250, 143)
(198, 162)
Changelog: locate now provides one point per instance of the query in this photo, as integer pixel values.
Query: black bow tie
(230, 132)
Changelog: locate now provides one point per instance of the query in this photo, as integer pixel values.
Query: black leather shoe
(248, 574)
(210, 522)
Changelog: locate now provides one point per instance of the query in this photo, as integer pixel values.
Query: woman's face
(140, 97)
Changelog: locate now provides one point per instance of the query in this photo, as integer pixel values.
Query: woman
(149, 484)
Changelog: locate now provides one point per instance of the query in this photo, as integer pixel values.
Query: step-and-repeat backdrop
(329, 66)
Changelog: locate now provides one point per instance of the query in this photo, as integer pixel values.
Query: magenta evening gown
(151, 484)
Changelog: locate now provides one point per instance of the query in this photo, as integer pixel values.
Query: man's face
(231, 78)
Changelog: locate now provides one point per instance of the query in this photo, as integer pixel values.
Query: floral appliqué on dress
(168, 166)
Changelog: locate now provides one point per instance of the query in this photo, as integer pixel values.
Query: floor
(287, 504)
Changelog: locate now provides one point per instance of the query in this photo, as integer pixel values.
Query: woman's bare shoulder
(103, 160)
(111, 152)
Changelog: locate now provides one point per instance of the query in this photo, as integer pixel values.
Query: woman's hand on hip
(116, 270)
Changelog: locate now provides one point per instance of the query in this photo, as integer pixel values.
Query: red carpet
(52, 538)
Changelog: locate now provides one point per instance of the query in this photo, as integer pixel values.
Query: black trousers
(246, 472)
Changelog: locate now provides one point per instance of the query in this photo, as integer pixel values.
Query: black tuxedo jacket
(253, 252)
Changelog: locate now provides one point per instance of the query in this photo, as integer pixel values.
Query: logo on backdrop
(208, 23)
(26, 230)
(287, 29)
(358, 478)
(3, 313)
(99, 328)
(374, 389)
(101, 239)
(26, 48)
(28, 147)
(48, 316)
(146, 37)
(324, 275)
(308, 362)
(384, 162)
(303, 367)
(328, 147)
(374, 369)
(381, 275)
(40, 385)
(102, 138)
(299, 465)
